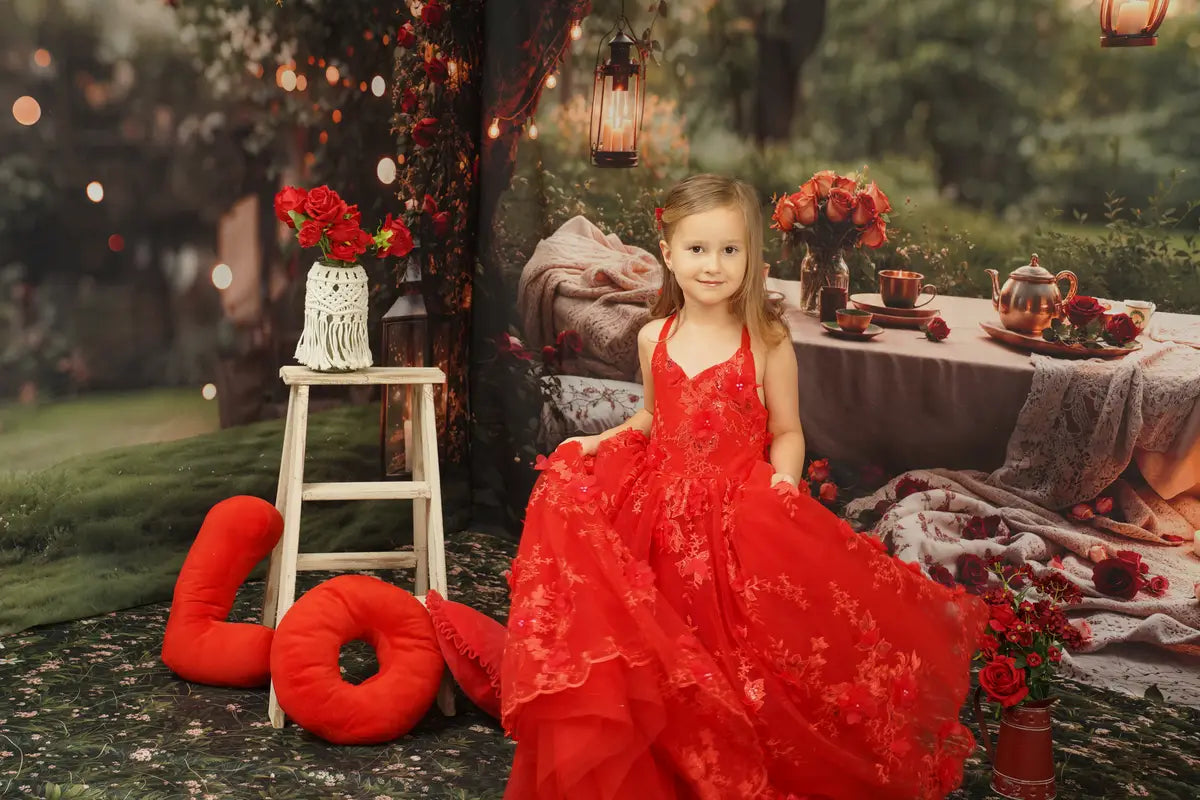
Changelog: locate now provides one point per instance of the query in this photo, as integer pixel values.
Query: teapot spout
(995, 286)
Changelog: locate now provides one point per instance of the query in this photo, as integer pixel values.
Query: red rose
(1103, 505)
(1121, 329)
(878, 198)
(435, 70)
(289, 198)
(821, 183)
(310, 233)
(1083, 310)
(807, 206)
(983, 527)
(409, 101)
(840, 205)
(1054, 654)
(549, 355)
(1132, 556)
(864, 209)
(432, 13)
(942, 575)
(1003, 681)
(818, 471)
(1033, 660)
(875, 234)
(1081, 512)
(784, 216)
(828, 492)
(936, 329)
(406, 36)
(906, 486)
(571, 340)
(401, 242)
(1001, 618)
(972, 572)
(324, 205)
(425, 131)
(1117, 577)
(347, 241)
(1158, 585)
(441, 224)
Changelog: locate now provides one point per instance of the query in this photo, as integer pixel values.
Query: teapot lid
(1033, 271)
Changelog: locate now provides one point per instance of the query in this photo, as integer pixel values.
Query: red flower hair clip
(658, 212)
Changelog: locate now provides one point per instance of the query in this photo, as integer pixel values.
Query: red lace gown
(681, 629)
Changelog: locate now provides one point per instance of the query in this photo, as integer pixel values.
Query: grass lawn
(109, 530)
(35, 437)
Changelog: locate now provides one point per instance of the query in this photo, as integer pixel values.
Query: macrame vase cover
(335, 320)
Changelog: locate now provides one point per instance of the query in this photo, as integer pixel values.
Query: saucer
(833, 328)
(874, 303)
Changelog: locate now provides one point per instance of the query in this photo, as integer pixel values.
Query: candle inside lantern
(408, 443)
(616, 133)
(1132, 17)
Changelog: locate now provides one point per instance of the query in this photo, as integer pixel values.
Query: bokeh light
(95, 191)
(222, 276)
(26, 110)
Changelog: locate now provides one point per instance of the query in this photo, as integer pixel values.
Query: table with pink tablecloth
(904, 402)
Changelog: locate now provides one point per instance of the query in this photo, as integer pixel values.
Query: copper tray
(1036, 344)
(892, 317)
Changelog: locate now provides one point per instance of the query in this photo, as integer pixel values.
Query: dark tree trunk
(784, 43)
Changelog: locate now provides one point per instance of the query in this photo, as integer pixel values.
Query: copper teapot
(1029, 300)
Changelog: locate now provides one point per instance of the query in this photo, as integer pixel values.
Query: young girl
(685, 621)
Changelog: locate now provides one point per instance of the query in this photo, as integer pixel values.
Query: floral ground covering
(91, 712)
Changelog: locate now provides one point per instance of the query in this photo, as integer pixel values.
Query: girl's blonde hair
(762, 314)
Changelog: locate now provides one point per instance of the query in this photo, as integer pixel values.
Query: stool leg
(290, 542)
(271, 594)
(420, 508)
(429, 462)
(433, 519)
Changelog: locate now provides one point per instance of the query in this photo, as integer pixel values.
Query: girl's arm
(783, 412)
(643, 419)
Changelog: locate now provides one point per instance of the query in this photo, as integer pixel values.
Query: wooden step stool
(428, 555)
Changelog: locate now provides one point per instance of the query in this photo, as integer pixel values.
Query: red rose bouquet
(323, 219)
(1086, 323)
(1026, 633)
(831, 212)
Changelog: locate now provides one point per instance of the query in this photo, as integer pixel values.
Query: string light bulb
(576, 31)
(533, 129)
(552, 80)
(494, 129)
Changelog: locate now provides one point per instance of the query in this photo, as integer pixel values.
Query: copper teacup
(900, 288)
(853, 319)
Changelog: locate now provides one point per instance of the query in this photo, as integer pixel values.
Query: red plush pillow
(473, 645)
(308, 643)
(199, 645)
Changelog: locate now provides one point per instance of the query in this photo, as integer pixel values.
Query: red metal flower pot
(1023, 759)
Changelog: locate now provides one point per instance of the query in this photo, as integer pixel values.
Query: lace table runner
(1083, 419)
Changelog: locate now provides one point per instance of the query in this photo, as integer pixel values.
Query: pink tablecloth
(907, 403)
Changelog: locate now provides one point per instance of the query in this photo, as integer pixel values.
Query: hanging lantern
(1131, 23)
(405, 344)
(618, 98)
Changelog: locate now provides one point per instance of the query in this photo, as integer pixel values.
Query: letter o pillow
(199, 645)
(307, 647)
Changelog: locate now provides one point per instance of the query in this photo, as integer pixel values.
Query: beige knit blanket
(581, 279)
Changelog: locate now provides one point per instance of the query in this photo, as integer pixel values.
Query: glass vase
(820, 268)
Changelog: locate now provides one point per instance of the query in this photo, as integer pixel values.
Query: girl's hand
(588, 443)
(783, 476)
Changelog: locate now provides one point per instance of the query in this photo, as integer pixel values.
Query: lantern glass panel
(405, 344)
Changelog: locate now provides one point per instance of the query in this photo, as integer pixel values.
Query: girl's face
(707, 255)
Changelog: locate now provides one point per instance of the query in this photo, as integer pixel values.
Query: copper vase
(1023, 758)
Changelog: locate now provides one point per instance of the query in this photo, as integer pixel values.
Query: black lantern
(405, 344)
(1131, 23)
(618, 98)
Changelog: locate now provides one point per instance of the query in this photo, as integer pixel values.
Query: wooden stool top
(388, 376)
